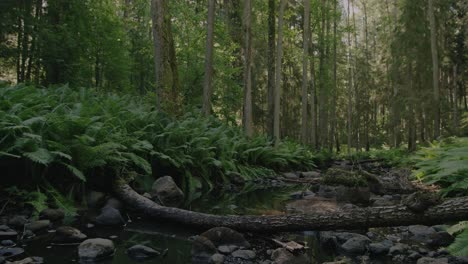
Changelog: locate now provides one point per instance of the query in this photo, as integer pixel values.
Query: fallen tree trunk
(455, 209)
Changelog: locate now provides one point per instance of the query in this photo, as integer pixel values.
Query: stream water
(176, 238)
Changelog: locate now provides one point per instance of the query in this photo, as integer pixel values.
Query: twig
(4, 206)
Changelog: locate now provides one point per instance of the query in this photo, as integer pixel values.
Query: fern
(460, 246)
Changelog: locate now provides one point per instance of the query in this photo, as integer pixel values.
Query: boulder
(114, 203)
(356, 245)
(290, 175)
(38, 225)
(30, 260)
(110, 217)
(225, 236)
(217, 258)
(202, 249)
(440, 239)
(244, 254)
(68, 234)
(427, 260)
(52, 214)
(227, 249)
(420, 232)
(11, 252)
(310, 174)
(18, 221)
(95, 249)
(398, 249)
(7, 233)
(166, 191)
(380, 248)
(7, 243)
(283, 256)
(141, 252)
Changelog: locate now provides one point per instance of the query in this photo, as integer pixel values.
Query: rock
(421, 230)
(17, 221)
(141, 252)
(290, 175)
(355, 245)
(52, 214)
(2, 260)
(458, 260)
(30, 260)
(345, 236)
(147, 195)
(328, 240)
(110, 217)
(226, 236)
(244, 254)
(296, 195)
(114, 203)
(440, 239)
(283, 256)
(426, 260)
(398, 249)
(439, 228)
(355, 195)
(380, 248)
(419, 201)
(7, 243)
(95, 249)
(202, 249)
(235, 178)
(95, 199)
(396, 181)
(11, 252)
(38, 225)
(414, 256)
(227, 249)
(67, 234)
(7, 233)
(310, 174)
(400, 258)
(217, 258)
(167, 192)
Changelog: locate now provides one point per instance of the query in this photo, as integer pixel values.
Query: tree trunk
(157, 15)
(313, 107)
(247, 117)
(208, 82)
(278, 75)
(305, 61)
(350, 86)
(271, 66)
(435, 70)
(455, 209)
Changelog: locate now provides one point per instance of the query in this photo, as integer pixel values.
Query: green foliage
(84, 130)
(36, 199)
(390, 156)
(444, 163)
(460, 246)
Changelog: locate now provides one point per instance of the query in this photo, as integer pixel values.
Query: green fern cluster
(444, 163)
(460, 246)
(85, 131)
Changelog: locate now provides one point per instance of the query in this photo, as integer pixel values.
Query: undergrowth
(87, 133)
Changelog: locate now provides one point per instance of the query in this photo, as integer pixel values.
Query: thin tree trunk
(278, 75)
(313, 105)
(247, 117)
(208, 82)
(350, 85)
(455, 100)
(335, 87)
(305, 61)
(435, 70)
(157, 14)
(271, 66)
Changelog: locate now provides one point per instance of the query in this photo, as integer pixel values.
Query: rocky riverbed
(107, 232)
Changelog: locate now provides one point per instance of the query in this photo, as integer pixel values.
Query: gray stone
(52, 214)
(227, 249)
(17, 221)
(95, 249)
(356, 245)
(141, 252)
(7, 243)
(440, 239)
(310, 174)
(290, 175)
(283, 256)
(114, 203)
(217, 258)
(2, 260)
(421, 230)
(426, 260)
(11, 252)
(226, 236)
(30, 260)
(166, 191)
(110, 217)
(244, 254)
(414, 256)
(439, 228)
(380, 248)
(68, 234)
(398, 249)
(7, 233)
(202, 249)
(38, 225)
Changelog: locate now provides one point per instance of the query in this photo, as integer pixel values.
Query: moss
(347, 178)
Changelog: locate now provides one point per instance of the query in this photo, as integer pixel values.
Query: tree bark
(208, 82)
(247, 116)
(305, 61)
(271, 66)
(350, 86)
(157, 15)
(278, 75)
(455, 209)
(435, 70)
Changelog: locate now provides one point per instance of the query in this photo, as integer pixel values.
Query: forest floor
(129, 236)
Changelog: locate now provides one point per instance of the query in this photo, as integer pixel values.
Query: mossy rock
(336, 177)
